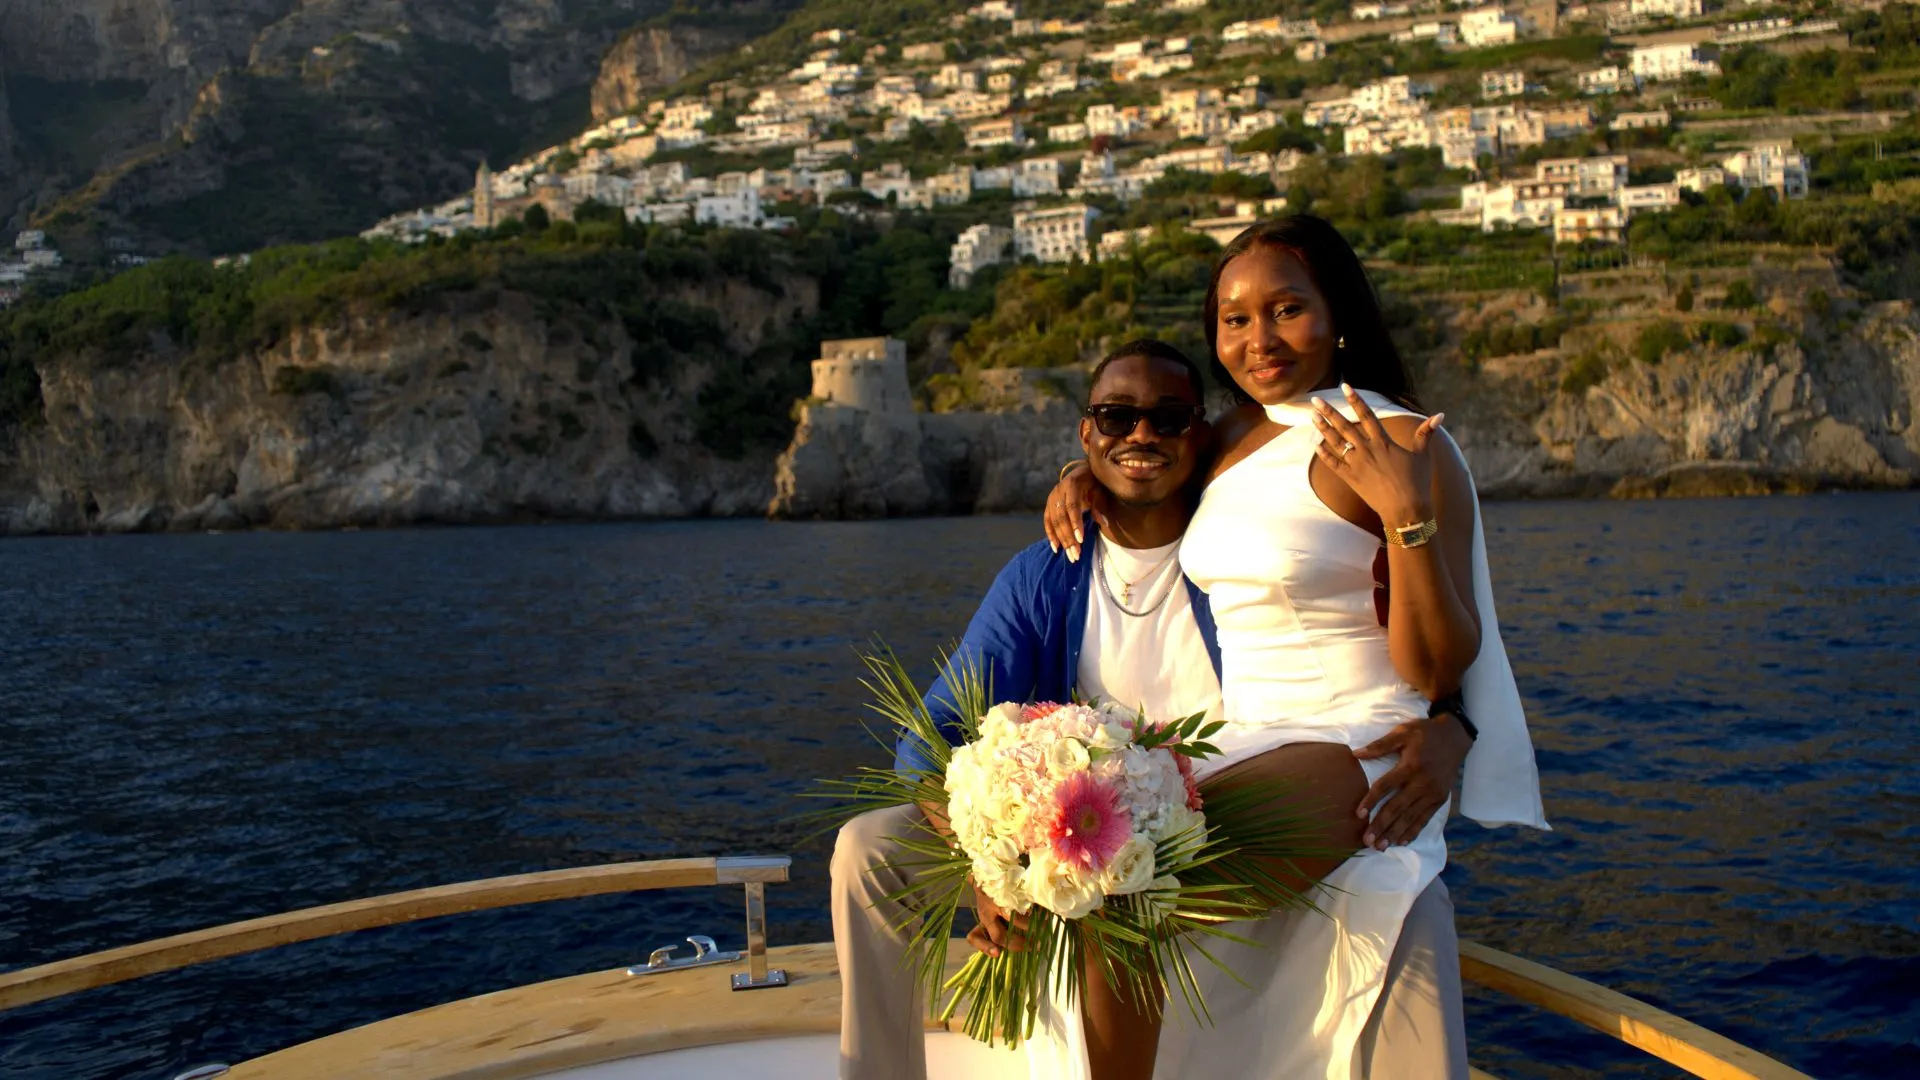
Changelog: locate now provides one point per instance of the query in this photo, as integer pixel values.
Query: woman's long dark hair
(1369, 361)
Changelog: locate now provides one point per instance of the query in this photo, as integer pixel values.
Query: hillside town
(1050, 120)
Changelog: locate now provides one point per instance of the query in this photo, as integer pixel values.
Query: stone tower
(483, 198)
(863, 373)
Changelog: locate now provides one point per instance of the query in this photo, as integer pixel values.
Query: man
(1125, 624)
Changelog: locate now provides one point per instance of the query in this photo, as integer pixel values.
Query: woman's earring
(1342, 343)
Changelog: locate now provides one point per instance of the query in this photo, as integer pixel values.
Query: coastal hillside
(345, 385)
(1632, 250)
(212, 127)
(595, 369)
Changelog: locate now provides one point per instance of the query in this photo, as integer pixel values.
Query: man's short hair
(1153, 349)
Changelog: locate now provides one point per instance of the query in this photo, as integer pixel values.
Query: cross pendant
(1126, 594)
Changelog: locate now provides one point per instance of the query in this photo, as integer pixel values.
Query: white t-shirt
(1157, 660)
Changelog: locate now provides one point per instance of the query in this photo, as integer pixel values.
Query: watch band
(1455, 705)
(1413, 536)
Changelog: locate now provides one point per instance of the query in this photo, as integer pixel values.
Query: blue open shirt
(1026, 638)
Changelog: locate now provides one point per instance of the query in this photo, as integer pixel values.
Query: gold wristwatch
(1412, 536)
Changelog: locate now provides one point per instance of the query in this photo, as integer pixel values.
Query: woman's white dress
(1304, 659)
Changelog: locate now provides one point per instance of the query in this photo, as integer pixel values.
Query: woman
(1328, 459)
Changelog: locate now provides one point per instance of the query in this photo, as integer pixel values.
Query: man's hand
(1432, 751)
(997, 932)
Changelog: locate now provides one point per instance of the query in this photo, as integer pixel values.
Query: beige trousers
(1417, 1031)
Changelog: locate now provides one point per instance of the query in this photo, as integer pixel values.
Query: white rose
(1067, 756)
(1063, 888)
(1006, 808)
(999, 874)
(1111, 735)
(1131, 868)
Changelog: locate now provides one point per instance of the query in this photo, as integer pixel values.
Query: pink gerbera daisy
(1039, 710)
(1089, 823)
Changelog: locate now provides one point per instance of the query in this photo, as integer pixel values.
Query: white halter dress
(1304, 659)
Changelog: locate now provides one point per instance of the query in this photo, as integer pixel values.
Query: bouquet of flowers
(1084, 817)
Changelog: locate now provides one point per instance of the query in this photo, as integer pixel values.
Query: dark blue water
(199, 729)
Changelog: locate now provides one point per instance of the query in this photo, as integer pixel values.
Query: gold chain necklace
(1126, 587)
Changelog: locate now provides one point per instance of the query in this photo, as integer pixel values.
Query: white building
(979, 247)
(1489, 26)
(1067, 133)
(1114, 121)
(998, 10)
(1777, 166)
(1579, 225)
(1308, 52)
(1653, 63)
(1056, 234)
(30, 240)
(1651, 118)
(1701, 180)
(1649, 197)
(1366, 10)
(1608, 80)
(1034, 177)
(1442, 34)
(740, 210)
(1005, 131)
(1666, 9)
(1502, 84)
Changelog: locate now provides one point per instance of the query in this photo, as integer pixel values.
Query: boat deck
(608, 1025)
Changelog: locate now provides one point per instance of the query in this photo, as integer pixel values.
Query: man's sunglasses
(1170, 418)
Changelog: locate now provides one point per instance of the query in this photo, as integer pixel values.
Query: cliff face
(476, 411)
(648, 59)
(1719, 420)
(318, 117)
(1714, 422)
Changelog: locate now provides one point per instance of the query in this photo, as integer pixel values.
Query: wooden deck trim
(97, 969)
(535, 1030)
(1662, 1034)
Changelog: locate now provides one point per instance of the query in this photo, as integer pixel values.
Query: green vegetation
(1587, 370)
(1048, 317)
(1658, 339)
(1508, 337)
(1875, 238)
(1757, 78)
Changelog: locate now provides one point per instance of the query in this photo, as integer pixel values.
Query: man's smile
(1140, 465)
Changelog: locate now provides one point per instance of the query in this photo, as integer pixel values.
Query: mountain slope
(222, 125)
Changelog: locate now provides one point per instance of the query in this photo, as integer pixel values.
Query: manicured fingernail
(1439, 418)
(1367, 840)
(1053, 547)
(1073, 554)
(1345, 389)
(1077, 537)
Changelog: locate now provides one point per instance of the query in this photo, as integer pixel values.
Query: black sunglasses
(1168, 418)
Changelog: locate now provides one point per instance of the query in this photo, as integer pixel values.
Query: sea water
(199, 729)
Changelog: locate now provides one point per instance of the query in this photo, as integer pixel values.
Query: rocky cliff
(1839, 411)
(220, 125)
(649, 58)
(483, 409)
(479, 409)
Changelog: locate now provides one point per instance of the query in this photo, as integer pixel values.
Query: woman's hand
(1432, 752)
(995, 931)
(1396, 482)
(1076, 495)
